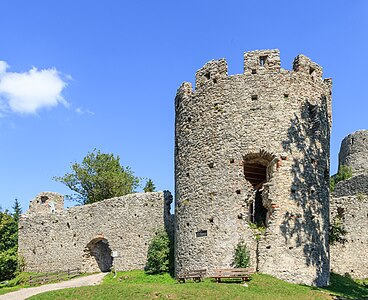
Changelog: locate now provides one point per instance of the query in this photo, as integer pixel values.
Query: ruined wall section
(354, 153)
(267, 114)
(350, 257)
(58, 240)
(349, 209)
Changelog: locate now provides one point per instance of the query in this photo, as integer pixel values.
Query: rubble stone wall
(86, 236)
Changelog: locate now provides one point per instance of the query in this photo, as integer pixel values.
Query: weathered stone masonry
(52, 238)
(349, 204)
(254, 148)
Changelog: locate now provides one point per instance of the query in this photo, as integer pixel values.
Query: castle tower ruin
(252, 151)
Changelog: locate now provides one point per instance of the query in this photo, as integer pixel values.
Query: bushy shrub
(8, 264)
(337, 232)
(241, 255)
(344, 173)
(158, 256)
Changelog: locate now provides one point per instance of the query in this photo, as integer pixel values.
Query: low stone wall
(86, 236)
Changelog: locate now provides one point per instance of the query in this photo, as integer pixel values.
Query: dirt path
(28, 292)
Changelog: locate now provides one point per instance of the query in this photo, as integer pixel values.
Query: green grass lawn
(138, 285)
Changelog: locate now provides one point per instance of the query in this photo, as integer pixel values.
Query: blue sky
(112, 69)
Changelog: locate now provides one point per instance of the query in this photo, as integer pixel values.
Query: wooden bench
(195, 275)
(245, 274)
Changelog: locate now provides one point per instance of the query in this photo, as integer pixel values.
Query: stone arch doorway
(257, 172)
(97, 256)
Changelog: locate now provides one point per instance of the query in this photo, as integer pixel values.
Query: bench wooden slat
(195, 275)
(237, 273)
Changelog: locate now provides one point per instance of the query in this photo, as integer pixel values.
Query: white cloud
(83, 111)
(31, 91)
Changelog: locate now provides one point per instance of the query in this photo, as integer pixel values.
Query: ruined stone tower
(252, 150)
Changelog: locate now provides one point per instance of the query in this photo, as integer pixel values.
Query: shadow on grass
(346, 287)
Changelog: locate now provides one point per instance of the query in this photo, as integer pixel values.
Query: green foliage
(344, 173)
(241, 255)
(337, 231)
(158, 256)
(8, 231)
(9, 242)
(100, 176)
(8, 263)
(17, 210)
(361, 197)
(149, 187)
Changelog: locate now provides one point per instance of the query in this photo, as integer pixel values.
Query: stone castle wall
(349, 207)
(268, 123)
(86, 236)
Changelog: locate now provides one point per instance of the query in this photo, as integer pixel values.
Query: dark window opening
(254, 97)
(311, 71)
(214, 80)
(210, 165)
(238, 192)
(231, 160)
(44, 199)
(207, 75)
(254, 71)
(286, 96)
(262, 60)
(67, 224)
(256, 174)
(189, 119)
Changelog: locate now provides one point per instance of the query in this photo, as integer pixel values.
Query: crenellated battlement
(259, 62)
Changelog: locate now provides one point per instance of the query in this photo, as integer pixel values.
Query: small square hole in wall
(207, 75)
(231, 160)
(262, 60)
(286, 96)
(238, 192)
(254, 97)
(254, 71)
(311, 71)
(210, 165)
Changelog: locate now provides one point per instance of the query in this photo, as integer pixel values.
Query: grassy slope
(137, 285)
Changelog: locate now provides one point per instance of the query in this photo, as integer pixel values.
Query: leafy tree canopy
(100, 176)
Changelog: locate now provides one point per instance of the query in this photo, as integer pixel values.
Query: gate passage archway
(98, 255)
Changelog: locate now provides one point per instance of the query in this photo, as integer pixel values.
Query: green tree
(8, 244)
(17, 210)
(158, 255)
(149, 187)
(241, 255)
(100, 176)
